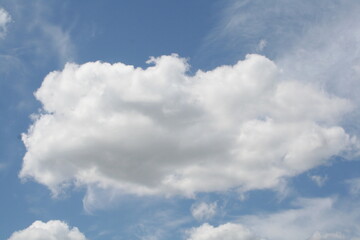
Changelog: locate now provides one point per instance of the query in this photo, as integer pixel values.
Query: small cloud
(5, 18)
(203, 211)
(354, 186)
(60, 41)
(319, 180)
(261, 45)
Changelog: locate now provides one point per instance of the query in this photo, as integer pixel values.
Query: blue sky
(184, 120)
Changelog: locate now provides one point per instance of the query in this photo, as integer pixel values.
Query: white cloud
(53, 38)
(203, 211)
(60, 41)
(315, 43)
(327, 51)
(228, 231)
(5, 18)
(319, 180)
(161, 131)
(322, 218)
(243, 24)
(261, 45)
(307, 219)
(51, 230)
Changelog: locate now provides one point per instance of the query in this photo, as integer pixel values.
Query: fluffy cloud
(203, 211)
(160, 131)
(4, 20)
(52, 230)
(228, 231)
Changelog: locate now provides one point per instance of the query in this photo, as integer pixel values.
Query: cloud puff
(5, 18)
(319, 180)
(160, 131)
(203, 211)
(52, 230)
(228, 231)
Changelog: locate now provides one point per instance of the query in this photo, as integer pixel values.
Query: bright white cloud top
(5, 18)
(51, 230)
(160, 131)
(228, 231)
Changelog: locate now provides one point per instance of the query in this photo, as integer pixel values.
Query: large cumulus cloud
(161, 131)
(51, 230)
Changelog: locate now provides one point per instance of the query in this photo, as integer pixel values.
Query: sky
(181, 120)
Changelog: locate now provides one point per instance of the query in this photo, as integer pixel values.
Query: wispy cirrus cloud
(54, 36)
(43, 39)
(311, 219)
